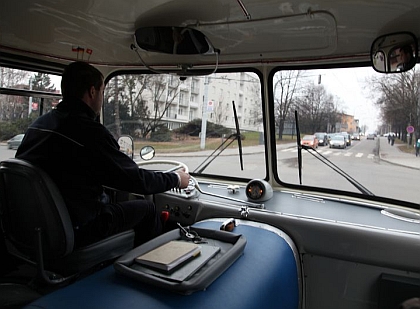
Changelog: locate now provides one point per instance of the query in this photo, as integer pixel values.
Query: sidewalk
(393, 155)
(227, 152)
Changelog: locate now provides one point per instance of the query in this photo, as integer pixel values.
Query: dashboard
(302, 216)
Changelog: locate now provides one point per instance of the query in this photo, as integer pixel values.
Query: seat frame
(38, 230)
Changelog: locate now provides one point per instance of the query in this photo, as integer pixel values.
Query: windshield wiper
(225, 144)
(238, 136)
(326, 161)
(299, 146)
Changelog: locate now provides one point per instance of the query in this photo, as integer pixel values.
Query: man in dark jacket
(82, 156)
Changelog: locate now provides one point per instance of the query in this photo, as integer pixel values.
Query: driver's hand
(185, 178)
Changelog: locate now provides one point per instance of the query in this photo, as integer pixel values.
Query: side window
(22, 101)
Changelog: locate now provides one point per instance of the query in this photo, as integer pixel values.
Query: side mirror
(396, 52)
(147, 153)
(173, 40)
(126, 145)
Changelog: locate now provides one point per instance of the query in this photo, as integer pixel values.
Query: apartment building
(211, 97)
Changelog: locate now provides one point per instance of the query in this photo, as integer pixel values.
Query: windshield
(192, 120)
(354, 101)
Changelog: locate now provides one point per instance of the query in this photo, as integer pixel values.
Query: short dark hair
(407, 49)
(78, 77)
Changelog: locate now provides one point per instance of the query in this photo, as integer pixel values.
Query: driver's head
(83, 81)
(405, 54)
(78, 77)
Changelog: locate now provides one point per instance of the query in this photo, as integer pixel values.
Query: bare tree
(163, 91)
(139, 102)
(285, 88)
(13, 107)
(399, 100)
(316, 108)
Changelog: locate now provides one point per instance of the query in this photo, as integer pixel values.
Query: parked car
(15, 141)
(322, 138)
(310, 140)
(338, 141)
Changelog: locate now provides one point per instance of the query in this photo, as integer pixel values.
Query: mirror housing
(173, 40)
(394, 53)
(126, 145)
(147, 153)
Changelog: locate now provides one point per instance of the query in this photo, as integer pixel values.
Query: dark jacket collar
(75, 105)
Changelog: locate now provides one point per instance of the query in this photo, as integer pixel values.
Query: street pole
(30, 98)
(204, 117)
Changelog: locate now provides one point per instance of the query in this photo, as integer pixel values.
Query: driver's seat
(37, 226)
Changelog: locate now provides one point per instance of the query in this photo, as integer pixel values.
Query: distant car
(322, 138)
(338, 141)
(355, 136)
(370, 136)
(310, 140)
(15, 141)
(389, 133)
(347, 137)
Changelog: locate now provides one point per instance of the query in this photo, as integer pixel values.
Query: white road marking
(331, 152)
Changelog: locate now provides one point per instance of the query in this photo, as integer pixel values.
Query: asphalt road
(360, 161)
(6, 153)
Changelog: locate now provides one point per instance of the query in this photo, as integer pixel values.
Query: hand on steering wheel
(184, 177)
(177, 165)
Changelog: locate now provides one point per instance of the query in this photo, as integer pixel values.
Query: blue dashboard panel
(265, 276)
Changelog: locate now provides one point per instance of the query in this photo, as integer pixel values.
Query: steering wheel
(177, 165)
(188, 192)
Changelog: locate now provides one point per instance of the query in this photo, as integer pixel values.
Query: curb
(398, 164)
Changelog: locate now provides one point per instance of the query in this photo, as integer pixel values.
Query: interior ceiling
(257, 31)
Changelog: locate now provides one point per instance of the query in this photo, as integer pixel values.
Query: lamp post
(30, 98)
(204, 116)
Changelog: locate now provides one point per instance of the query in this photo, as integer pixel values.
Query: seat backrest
(30, 200)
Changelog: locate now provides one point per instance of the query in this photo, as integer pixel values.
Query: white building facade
(214, 95)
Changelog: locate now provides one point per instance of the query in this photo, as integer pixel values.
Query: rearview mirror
(173, 40)
(396, 52)
(126, 145)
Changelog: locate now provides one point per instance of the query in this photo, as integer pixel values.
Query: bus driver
(81, 156)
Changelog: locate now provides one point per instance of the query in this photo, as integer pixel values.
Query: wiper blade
(299, 146)
(225, 144)
(324, 160)
(238, 136)
(335, 168)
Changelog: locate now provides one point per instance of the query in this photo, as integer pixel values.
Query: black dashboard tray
(231, 248)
